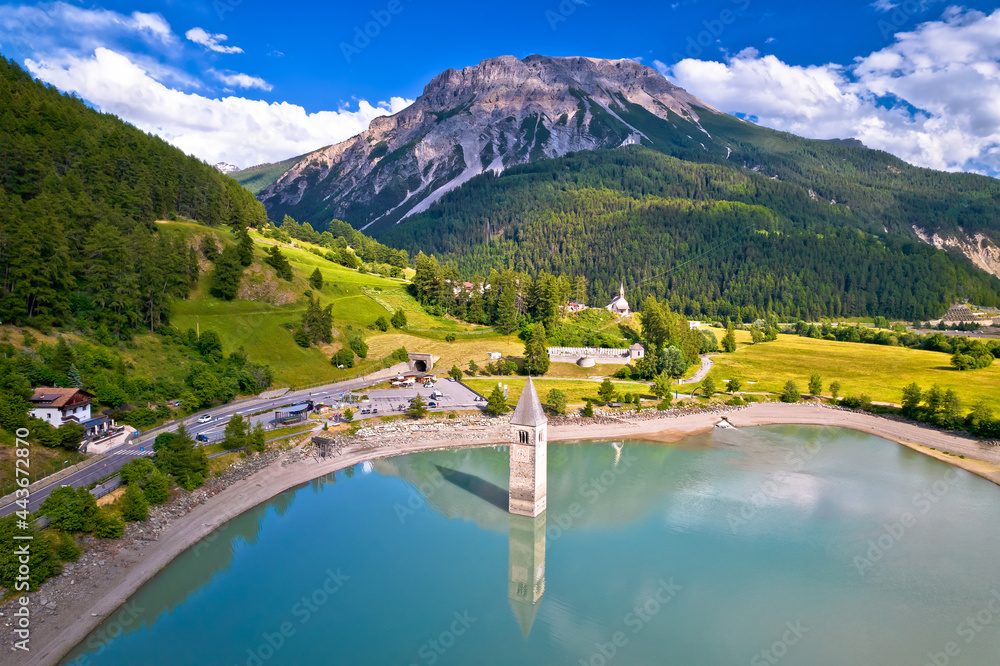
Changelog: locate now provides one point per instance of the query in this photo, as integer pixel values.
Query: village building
(575, 306)
(619, 305)
(57, 406)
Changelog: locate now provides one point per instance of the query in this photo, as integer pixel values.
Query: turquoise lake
(790, 545)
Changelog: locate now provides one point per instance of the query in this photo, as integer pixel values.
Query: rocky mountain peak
(488, 117)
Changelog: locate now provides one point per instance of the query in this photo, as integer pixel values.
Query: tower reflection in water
(526, 568)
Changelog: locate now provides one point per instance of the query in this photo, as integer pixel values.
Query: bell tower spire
(528, 455)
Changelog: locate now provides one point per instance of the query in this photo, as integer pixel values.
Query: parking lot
(454, 396)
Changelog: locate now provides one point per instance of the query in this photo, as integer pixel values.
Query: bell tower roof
(529, 410)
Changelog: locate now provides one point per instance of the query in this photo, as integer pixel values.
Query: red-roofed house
(60, 405)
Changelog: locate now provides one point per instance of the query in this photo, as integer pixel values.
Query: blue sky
(296, 73)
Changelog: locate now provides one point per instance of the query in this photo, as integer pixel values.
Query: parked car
(206, 418)
(432, 404)
(201, 438)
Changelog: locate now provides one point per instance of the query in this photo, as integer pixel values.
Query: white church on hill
(619, 305)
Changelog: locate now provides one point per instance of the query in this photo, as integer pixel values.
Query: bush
(382, 323)
(664, 404)
(862, 401)
(109, 528)
(735, 402)
(343, 357)
(750, 399)
(399, 319)
(67, 549)
(791, 393)
(624, 373)
(588, 411)
(450, 337)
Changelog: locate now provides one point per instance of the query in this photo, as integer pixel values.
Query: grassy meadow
(879, 371)
(264, 326)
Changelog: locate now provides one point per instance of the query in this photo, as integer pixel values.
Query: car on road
(432, 404)
(207, 418)
(201, 438)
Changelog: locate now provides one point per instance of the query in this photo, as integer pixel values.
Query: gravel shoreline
(68, 607)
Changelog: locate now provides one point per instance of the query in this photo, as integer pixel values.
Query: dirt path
(122, 576)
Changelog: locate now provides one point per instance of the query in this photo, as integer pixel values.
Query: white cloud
(211, 42)
(932, 97)
(59, 27)
(884, 5)
(237, 130)
(237, 80)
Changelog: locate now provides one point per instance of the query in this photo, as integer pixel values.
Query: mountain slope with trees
(712, 240)
(80, 192)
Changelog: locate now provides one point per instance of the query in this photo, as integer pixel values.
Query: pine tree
(75, 380)
(507, 314)
(497, 403)
(134, 506)
(157, 490)
(245, 246)
(257, 441)
(536, 353)
(235, 434)
(226, 275)
(316, 280)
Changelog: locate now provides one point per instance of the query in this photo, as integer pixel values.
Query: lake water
(790, 545)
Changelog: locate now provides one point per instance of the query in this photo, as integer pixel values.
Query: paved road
(706, 367)
(143, 445)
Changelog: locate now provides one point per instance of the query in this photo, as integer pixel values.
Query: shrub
(67, 549)
(735, 402)
(450, 337)
(382, 323)
(664, 404)
(862, 401)
(588, 411)
(791, 393)
(109, 528)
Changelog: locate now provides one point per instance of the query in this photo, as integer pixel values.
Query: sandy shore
(52, 642)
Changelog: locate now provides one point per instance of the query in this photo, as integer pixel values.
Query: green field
(879, 371)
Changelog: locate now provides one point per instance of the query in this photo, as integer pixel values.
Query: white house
(61, 405)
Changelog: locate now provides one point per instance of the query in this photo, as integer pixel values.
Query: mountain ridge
(488, 117)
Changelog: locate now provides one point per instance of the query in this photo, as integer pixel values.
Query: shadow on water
(477, 486)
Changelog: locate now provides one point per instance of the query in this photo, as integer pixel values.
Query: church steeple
(529, 455)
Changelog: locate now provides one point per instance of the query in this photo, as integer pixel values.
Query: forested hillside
(709, 238)
(79, 194)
